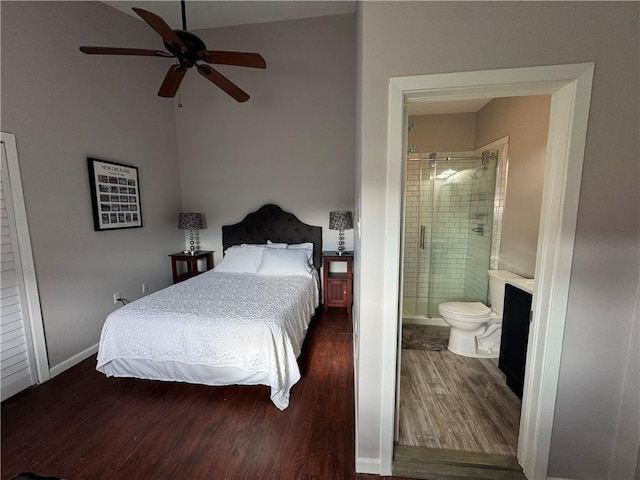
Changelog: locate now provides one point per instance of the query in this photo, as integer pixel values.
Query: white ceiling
(213, 13)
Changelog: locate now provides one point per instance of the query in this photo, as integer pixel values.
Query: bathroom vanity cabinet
(515, 335)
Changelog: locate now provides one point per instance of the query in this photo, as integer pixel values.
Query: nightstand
(337, 287)
(191, 262)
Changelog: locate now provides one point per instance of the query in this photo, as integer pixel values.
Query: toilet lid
(465, 309)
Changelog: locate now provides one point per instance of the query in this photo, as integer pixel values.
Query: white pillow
(279, 261)
(241, 259)
(307, 247)
(270, 244)
(301, 246)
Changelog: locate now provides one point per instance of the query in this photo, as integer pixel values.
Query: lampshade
(190, 221)
(340, 220)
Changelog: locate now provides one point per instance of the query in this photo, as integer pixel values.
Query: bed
(242, 323)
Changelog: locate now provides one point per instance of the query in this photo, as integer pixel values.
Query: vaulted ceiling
(209, 14)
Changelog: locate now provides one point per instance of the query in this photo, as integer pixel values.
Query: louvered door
(17, 356)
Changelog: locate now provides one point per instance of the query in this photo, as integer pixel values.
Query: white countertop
(525, 284)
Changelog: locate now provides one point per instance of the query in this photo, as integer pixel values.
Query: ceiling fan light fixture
(187, 49)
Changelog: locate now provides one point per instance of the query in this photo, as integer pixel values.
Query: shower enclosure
(449, 208)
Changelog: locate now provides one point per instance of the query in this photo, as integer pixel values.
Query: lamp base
(340, 242)
(192, 247)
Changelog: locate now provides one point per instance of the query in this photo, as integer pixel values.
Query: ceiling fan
(188, 49)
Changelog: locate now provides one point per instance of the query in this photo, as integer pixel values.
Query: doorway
(448, 401)
(461, 198)
(570, 88)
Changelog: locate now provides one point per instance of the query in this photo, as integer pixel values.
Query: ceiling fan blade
(124, 51)
(223, 82)
(161, 27)
(241, 59)
(172, 81)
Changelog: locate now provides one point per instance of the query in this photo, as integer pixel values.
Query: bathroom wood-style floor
(457, 403)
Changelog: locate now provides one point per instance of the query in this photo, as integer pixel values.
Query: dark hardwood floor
(81, 425)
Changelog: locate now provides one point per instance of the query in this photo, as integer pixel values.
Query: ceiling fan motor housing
(193, 44)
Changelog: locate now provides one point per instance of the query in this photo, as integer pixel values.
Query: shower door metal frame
(426, 251)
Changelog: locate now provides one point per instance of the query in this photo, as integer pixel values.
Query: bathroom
(473, 193)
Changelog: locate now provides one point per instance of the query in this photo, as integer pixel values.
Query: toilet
(476, 328)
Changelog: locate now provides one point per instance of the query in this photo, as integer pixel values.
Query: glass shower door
(448, 230)
(449, 237)
(423, 263)
(461, 235)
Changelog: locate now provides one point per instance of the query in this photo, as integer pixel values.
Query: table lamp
(340, 220)
(191, 222)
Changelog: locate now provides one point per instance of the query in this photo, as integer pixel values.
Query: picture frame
(115, 195)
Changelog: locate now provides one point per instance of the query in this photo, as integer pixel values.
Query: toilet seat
(470, 310)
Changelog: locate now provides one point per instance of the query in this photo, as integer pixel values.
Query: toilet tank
(496, 288)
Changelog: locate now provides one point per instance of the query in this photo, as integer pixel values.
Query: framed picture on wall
(115, 195)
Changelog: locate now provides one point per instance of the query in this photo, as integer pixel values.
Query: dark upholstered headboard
(270, 222)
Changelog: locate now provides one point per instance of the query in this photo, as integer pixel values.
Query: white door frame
(26, 259)
(570, 90)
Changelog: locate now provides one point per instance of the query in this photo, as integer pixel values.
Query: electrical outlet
(145, 288)
(116, 297)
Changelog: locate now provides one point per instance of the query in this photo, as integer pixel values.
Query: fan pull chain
(179, 100)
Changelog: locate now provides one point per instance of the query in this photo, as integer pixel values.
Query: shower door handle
(422, 237)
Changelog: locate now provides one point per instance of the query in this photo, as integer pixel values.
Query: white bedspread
(250, 322)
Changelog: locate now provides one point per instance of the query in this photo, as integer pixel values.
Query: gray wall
(396, 39)
(526, 121)
(443, 133)
(64, 106)
(291, 143)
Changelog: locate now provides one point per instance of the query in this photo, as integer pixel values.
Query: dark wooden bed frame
(270, 222)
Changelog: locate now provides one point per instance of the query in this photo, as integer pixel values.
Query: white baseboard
(368, 465)
(67, 364)
(557, 478)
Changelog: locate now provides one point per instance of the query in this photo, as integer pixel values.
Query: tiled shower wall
(451, 262)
